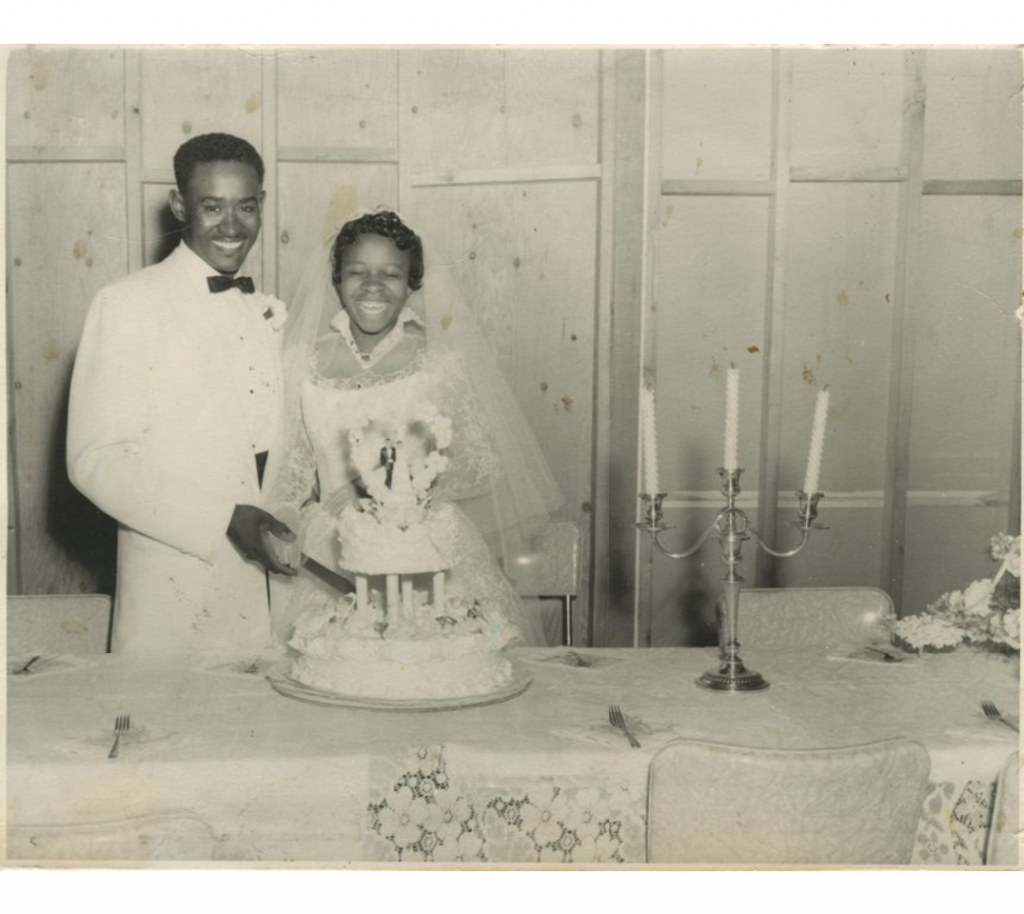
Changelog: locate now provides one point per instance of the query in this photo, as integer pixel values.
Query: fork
(617, 720)
(122, 724)
(992, 713)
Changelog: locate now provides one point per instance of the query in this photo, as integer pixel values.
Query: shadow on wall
(73, 523)
(167, 238)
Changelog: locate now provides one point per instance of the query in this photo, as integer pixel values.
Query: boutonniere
(275, 311)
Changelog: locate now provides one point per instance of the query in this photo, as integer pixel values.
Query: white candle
(732, 418)
(650, 441)
(817, 443)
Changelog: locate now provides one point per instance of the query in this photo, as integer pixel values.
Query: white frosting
(372, 544)
(418, 653)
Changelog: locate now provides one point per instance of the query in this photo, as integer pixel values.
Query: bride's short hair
(388, 225)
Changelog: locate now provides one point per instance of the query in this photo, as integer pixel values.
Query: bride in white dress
(361, 341)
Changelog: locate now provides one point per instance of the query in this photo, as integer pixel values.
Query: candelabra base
(732, 676)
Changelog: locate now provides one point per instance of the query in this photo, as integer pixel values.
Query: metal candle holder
(731, 528)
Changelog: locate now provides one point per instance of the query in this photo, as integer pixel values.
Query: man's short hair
(213, 147)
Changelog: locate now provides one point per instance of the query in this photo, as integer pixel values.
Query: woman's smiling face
(373, 287)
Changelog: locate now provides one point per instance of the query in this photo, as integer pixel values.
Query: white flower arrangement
(986, 612)
(274, 311)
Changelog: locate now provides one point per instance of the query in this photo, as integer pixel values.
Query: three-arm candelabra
(731, 528)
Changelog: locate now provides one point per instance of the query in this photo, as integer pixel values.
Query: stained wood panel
(709, 308)
(838, 316)
(485, 109)
(846, 110)
(69, 243)
(315, 200)
(973, 124)
(716, 117)
(967, 342)
(186, 93)
(337, 98)
(67, 97)
(524, 256)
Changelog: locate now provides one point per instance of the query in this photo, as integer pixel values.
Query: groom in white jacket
(175, 400)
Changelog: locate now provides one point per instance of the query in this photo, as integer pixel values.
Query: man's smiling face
(221, 213)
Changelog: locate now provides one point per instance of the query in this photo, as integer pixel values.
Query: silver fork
(992, 713)
(617, 720)
(122, 724)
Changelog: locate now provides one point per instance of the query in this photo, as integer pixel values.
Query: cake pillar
(408, 600)
(392, 596)
(362, 592)
(439, 597)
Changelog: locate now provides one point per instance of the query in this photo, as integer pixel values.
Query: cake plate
(284, 685)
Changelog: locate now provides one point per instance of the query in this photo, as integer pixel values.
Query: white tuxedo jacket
(157, 439)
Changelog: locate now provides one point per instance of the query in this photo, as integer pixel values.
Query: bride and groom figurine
(388, 453)
(183, 473)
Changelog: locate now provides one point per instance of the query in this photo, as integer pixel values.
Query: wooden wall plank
(314, 201)
(710, 296)
(337, 97)
(966, 344)
(519, 253)
(134, 216)
(717, 114)
(974, 125)
(613, 621)
(70, 242)
(493, 108)
(777, 268)
(66, 98)
(838, 314)
(186, 93)
(596, 566)
(846, 108)
(894, 517)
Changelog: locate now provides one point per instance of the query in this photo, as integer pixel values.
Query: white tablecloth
(539, 778)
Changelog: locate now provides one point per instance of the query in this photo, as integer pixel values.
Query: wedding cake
(401, 635)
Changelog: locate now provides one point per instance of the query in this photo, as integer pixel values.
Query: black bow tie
(223, 283)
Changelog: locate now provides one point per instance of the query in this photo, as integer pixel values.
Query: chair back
(1004, 838)
(59, 623)
(811, 617)
(711, 803)
(551, 571)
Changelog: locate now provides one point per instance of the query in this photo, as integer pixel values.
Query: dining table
(219, 765)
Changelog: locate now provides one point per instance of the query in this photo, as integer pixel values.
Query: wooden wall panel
(66, 97)
(186, 93)
(337, 98)
(967, 344)
(716, 120)
(525, 256)
(840, 275)
(847, 554)
(69, 243)
(973, 124)
(314, 201)
(486, 109)
(846, 112)
(709, 300)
